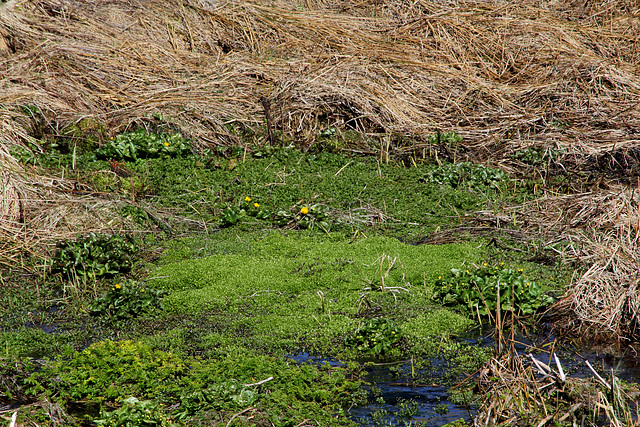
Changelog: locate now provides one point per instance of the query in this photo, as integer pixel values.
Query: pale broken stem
(259, 382)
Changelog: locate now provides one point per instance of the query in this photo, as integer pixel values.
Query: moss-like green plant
(94, 255)
(477, 289)
(127, 299)
(143, 145)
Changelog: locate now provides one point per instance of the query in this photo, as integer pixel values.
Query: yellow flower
(256, 205)
(247, 199)
(118, 286)
(304, 210)
(142, 290)
(502, 263)
(166, 144)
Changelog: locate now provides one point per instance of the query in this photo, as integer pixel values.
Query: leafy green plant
(307, 217)
(135, 413)
(465, 173)
(129, 299)
(217, 396)
(230, 216)
(143, 145)
(376, 336)
(477, 289)
(449, 138)
(248, 207)
(94, 255)
(107, 371)
(536, 156)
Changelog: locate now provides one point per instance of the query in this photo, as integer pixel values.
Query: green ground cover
(297, 252)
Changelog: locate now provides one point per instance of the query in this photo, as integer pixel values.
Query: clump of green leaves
(140, 144)
(94, 255)
(217, 396)
(135, 413)
(248, 207)
(375, 337)
(449, 138)
(307, 217)
(477, 290)
(107, 371)
(465, 174)
(536, 155)
(129, 299)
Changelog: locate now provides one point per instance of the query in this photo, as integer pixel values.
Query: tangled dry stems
(523, 391)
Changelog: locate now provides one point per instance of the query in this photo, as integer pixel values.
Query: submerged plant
(477, 289)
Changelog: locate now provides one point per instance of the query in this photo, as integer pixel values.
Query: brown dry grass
(504, 75)
(520, 392)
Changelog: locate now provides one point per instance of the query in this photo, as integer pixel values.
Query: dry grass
(524, 391)
(556, 76)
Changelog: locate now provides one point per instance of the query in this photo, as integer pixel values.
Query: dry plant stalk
(517, 393)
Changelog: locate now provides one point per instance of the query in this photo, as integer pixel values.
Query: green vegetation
(141, 144)
(135, 413)
(129, 299)
(469, 175)
(94, 255)
(477, 289)
(111, 372)
(298, 252)
(377, 336)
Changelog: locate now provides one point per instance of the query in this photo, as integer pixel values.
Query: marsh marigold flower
(117, 286)
(166, 144)
(247, 199)
(256, 205)
(304, 210)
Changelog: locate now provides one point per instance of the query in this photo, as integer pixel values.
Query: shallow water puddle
(394, 399)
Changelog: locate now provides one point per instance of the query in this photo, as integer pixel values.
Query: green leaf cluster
(536, 156)
(140, 144)
(375, 337)
(95, 255)
(135, 413)
(217, 396)
(449, 138)
(465, 174)
(477, 289)
(129, 299)
(108, 371)
(307, 217)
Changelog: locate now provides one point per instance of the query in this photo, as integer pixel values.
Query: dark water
(396, 400)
